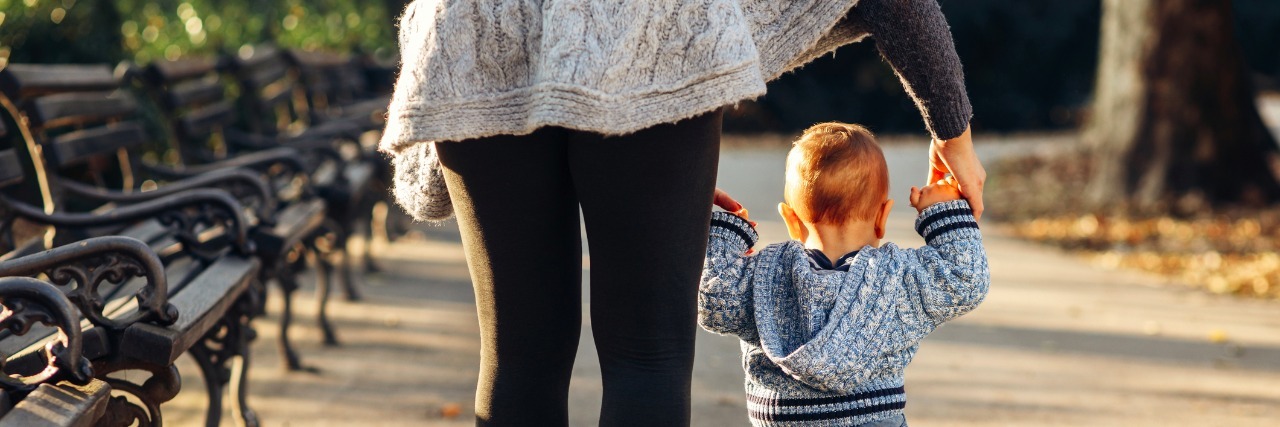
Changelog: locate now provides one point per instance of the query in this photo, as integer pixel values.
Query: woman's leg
(646, 198)
(518, 215)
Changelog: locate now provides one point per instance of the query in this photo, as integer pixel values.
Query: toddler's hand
(743, 213)
(724, 201)
(944, 190)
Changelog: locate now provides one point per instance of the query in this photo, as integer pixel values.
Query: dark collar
(820, 261)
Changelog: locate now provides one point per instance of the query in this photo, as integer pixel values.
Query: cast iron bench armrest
(226, 179)
(90, 262)
(255, 143)
(258, 160)
(211, 207)
(28, 301)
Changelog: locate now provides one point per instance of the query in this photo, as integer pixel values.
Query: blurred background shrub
(142, 30)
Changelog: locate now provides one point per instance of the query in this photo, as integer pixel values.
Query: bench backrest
(329, 79)
(268, 88)
(74, 123)
(192, 93)
(78, 117)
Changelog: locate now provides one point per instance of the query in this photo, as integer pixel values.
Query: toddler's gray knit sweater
(828, 347)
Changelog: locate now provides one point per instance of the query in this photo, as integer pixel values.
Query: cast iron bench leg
(324, 269)
(288, 284)
(223, 357)
(240, 367)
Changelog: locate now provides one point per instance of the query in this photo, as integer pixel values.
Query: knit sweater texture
(828, 347)
(477, 68)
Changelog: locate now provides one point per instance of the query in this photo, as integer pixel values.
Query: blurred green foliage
(141, 30)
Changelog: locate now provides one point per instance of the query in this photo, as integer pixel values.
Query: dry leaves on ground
(1227, 251)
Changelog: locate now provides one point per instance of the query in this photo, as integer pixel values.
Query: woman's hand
(956, 156)
(724, 201)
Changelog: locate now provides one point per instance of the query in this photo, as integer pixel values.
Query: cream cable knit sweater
(476, 68)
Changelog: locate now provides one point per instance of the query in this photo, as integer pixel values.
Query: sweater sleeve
(950, 272)
(419, 185)
(724, 293)
(914, 38)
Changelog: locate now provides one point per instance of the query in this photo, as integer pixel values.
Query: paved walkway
(1058, 341)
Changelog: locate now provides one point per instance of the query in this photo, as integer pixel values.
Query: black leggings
(646, 201)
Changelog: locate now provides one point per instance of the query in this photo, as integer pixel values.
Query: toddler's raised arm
(950, 272)
(724, 294)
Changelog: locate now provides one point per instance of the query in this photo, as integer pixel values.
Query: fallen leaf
(450, 410)
(1218, 336)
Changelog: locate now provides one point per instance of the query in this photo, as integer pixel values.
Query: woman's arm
(914, 38)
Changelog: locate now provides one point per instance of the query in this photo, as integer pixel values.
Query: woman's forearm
(914, 38)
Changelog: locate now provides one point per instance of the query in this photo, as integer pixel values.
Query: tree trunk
(1174, 124)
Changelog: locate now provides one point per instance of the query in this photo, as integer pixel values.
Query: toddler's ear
(883, 218)
(795, 228)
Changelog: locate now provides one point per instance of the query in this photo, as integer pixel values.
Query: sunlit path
(1058, 342)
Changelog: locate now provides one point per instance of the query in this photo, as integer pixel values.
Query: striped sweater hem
(770, 409)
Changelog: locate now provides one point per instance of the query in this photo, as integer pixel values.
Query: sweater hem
(522, 111)
(798, 45)
(868, 404)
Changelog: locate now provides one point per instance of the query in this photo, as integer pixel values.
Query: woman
(613, 109)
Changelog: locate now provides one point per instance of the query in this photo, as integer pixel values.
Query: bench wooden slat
(81, 107)
(274, 95)
(199, 122)
(27, 80)
(164, 71)
(373, 110)
(146, 231)
(71, 148)
(61, 405)
(257, 55)
(261, 76)
(200, 304)
(293, 223)
(194, 92)
(318, 59)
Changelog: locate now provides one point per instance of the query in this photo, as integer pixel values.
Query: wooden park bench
(111, 304)
(340, 89)
(275, 97)
(80, 127)
(208, 126)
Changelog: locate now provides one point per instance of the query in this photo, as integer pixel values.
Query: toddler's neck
(835, 241)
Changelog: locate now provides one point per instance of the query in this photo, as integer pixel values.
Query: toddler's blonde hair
(836, 172)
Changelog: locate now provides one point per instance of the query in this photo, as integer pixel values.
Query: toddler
(829, 320)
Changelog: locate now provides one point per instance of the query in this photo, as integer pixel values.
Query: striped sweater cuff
(769, 409)
(946, 222)
(725, 224)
